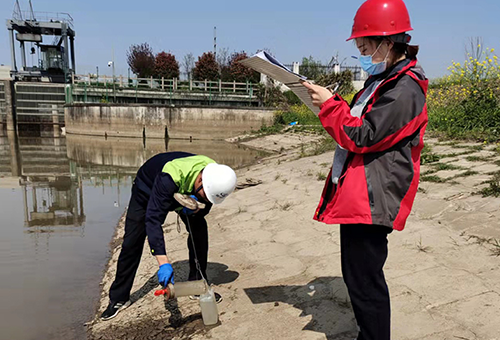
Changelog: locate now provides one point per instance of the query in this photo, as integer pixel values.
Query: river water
(60, 200)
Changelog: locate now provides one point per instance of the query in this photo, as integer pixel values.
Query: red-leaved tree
(141, 60)
(206, 68)
(166, 66)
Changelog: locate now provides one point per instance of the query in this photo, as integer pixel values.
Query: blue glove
(166, 274)
(187, 211)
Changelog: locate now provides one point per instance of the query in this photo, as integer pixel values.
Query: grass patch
(470, 147)
(285, 206)
(429, 172)
(479, 240)
(455, 154)
(441, 167)
(427, 156)
(422, 190)
(315, 129)
(269, 130)
(493, 190)
(321, 176)
(477, 158)
(422, 248)
(299, 113)
(477, 147)
(325, 145)
(495, 251)
(468, 173)
(432, 178)
(493, 242)
(446, 166)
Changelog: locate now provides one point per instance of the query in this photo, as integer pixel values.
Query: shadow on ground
(175, 325)
(324, 298)
(217, 273)
(151, 329)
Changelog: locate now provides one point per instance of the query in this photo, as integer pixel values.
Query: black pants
(133, 244)
(363, 254)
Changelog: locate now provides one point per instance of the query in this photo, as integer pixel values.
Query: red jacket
(380, 177)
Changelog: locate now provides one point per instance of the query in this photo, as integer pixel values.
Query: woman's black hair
(400, 49)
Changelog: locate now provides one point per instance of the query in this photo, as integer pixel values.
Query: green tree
(311, 68)
(345, 77)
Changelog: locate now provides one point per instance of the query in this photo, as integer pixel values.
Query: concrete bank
(161, 121)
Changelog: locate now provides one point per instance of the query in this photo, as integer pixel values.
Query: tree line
(144, 63)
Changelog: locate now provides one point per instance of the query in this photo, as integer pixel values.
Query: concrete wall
(358, 84)
(181, 122)
(5, 73)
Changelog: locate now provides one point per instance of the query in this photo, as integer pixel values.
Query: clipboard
(266, 64)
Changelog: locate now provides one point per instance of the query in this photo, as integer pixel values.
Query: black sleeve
(160, 203)
(204, 211)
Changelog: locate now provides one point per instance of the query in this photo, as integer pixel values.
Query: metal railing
(163, 84)
(356, 71)
(46, 17)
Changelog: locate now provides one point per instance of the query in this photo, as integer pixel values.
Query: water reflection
(131, 153)
(54, 202)
(51, 171)
(52, 196)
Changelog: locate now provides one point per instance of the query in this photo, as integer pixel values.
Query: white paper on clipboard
(266, 64)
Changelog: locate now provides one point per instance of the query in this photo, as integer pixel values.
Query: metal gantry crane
(56, 61)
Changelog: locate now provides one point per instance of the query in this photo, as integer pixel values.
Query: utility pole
(114, 90)
(215, 42)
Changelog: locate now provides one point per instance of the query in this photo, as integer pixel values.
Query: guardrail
(163, 84)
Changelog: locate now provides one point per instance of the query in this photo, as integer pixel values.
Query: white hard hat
(218, 182)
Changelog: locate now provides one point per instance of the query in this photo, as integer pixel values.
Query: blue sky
(290, 29)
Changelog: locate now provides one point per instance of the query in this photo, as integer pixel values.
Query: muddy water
(60, 199)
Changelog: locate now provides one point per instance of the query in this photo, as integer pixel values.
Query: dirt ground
(279, 271)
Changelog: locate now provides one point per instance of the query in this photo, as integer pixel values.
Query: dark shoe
(113, 309)
(218, 297)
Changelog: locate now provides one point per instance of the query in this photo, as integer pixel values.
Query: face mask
(367, 64)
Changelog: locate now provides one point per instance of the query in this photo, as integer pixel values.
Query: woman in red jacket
(375, 173)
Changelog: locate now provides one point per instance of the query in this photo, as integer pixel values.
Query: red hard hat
(381, 18)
